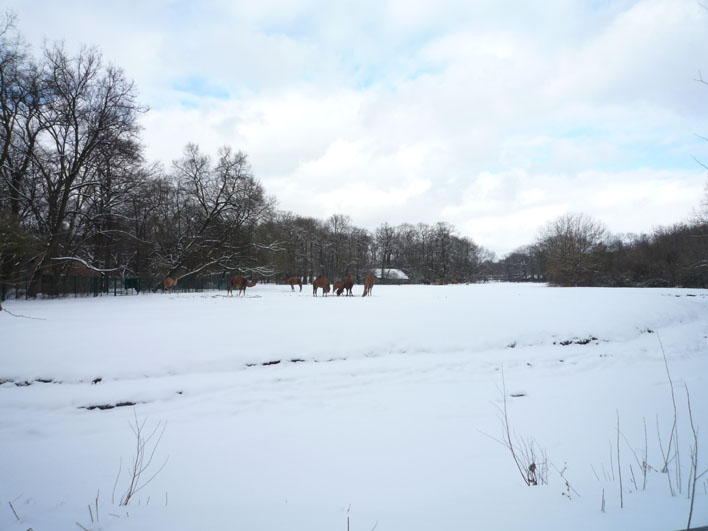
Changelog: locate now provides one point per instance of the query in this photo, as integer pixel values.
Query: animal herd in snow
(339, 287)
(322, 282)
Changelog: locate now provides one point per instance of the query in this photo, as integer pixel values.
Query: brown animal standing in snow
(320, 282)
(348, 285)
(241, 284)
(338, 288)
(369, 285)
(167, 284)
(292, 281)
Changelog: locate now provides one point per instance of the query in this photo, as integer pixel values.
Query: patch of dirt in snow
(109, 406)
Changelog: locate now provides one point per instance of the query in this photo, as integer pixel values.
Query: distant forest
(78, 199)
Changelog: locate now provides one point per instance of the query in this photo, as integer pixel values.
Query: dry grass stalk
(146, 446)
(530, 459)
(619, 466)
(14, 511)
(694, 461)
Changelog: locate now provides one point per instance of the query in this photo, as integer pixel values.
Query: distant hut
(391, 276)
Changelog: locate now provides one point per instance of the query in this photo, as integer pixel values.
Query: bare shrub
(693, 475)
(530, 459)
(146, 445)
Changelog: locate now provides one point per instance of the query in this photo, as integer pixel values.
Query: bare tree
(89, 109)
(385, 246)
(339, 227)
(522, 265)
(569, 245)
(213, 217)
(20, 95)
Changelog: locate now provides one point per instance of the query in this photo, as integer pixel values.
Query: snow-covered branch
(85, 263)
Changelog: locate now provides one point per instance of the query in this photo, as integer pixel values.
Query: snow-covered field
(382, 411)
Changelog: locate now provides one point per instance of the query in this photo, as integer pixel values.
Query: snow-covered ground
(382, 411)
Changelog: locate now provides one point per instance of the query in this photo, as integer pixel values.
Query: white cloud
(506, 210)
(493, 116)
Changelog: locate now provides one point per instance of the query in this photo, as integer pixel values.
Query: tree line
(575, 250)
(336, 247)
(77, 195)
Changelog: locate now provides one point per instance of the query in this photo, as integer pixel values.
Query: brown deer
(320, 282)
(292, 281)
(241, 284)
(369, 285)
(348, 285)
(338, 288)
(167, 284)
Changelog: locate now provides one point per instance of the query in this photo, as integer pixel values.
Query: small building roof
(391, 274)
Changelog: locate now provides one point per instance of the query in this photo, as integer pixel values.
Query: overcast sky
(495, 116)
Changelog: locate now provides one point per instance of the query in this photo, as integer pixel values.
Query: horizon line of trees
(576, 250)
(77, 195)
